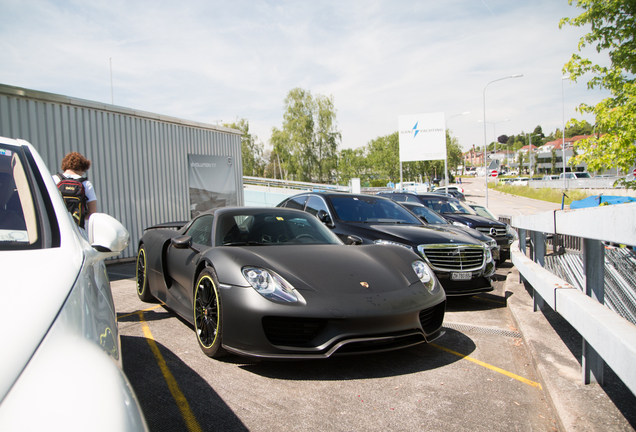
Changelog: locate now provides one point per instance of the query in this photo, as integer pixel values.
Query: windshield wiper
(245, 243)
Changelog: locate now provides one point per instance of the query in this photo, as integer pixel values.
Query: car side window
(201, 230)
(297, 203)
(399, 197)
(315, 204)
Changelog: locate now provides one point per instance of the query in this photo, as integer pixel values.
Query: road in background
(503, 204)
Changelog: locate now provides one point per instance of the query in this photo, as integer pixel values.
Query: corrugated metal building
(139, 159)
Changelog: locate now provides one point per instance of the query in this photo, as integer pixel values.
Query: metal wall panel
(139, 159)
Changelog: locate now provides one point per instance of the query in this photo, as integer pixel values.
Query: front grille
(431, 318)
(453, 257)
(292, 331)
(500, 232)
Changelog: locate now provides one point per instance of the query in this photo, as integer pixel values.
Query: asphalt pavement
(555, 347)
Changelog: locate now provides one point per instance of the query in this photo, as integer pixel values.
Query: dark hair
(75, 162)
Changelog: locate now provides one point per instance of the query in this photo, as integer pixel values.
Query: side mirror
(183, 242)
(354, 240)
(324, 217)
(107, 234)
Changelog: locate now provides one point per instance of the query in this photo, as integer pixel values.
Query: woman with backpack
(78, 193)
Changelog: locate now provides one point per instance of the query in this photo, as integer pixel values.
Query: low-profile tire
(207, 314)
(143, 291)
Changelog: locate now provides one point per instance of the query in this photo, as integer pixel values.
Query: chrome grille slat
(453, 258)
(486, 230)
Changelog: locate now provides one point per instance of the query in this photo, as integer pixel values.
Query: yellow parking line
(491, 367)
(137, 312)
(188, 417)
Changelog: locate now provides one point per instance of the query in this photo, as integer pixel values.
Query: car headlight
(512, 232)
(424, 273)
(492, 243)
(388, 242)
(488, 254)
(270, 285)
(460, 224)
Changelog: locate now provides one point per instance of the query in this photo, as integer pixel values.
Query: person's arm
(92, 208)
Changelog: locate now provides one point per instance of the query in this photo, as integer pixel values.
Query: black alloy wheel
(142, 280)
(207, 314)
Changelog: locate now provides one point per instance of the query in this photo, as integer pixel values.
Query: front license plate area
(461, 276)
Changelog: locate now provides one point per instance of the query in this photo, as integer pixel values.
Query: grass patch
(543, 194)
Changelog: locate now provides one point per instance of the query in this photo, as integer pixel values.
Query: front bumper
(349, 324)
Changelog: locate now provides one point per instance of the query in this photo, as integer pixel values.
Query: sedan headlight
(271, 286)
(512, 232)
(460, 224)
(388, 242)
(424, 273)
(488, 254)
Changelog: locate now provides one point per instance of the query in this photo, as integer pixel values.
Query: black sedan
(459, 213)
(276, 283)
(431, 217)
(462, 264)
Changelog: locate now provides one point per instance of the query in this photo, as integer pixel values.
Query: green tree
(384, 157)
(554, 161)
(251, 150)
(351, 163)
(307, 144)
(613, 30)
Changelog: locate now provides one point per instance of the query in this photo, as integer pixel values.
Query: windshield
(442, 206)
(429, 216)
(271, 227)
(372, 210)
(582, 175)
(18, 226)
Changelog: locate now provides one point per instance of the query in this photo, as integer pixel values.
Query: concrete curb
(576, 407)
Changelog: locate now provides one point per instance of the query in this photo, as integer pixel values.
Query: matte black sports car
(462, 264)
(276, 283)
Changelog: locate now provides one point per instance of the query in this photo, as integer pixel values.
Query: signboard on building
(211, 182)
(422, 137)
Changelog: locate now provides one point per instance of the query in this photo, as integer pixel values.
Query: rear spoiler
(167, 225)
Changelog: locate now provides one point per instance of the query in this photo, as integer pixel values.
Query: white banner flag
(422, 137)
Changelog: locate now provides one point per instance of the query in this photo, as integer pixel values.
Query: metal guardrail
(607, 337)
(292, 184)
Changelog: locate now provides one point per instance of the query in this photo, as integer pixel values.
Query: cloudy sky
(214, 62)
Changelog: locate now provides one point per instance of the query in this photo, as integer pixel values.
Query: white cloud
(209, 61)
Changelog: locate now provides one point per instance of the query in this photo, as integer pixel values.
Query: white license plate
(461, 276)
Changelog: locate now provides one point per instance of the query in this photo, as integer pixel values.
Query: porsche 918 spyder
(276, 283)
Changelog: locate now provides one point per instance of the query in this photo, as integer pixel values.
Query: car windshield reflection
(272, 228)
(372, 210)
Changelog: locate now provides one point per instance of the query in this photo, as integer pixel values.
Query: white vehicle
(61, 362)
(413, 187)
(520, 181)
(575, 175)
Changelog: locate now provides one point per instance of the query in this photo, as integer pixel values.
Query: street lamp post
(494, 130)
(485, 139)
(446, 153)
(563, 132)
(530, 152)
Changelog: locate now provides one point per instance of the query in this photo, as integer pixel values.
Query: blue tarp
(595, 201)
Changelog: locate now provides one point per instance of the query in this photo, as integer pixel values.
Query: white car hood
(33, 289)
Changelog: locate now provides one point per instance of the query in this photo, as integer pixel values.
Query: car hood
(328, 269)
(416, 235)
(470, 231)
(473, 220)
(35, 285)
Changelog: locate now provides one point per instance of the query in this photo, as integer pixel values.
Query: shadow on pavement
(615, 389)
(380, 365)
(160, 408)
